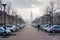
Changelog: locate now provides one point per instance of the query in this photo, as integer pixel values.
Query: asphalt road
(30, 33)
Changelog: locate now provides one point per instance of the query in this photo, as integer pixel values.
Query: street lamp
(4, 5)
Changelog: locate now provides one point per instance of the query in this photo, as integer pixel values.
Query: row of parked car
(9, 29)
(49, 27)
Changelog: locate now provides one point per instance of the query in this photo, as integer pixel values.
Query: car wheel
(8, 34)
(53, 31)
(4, 34)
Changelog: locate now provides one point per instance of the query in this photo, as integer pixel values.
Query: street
(30, 33)
(29, 19)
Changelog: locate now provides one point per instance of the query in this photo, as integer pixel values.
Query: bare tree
(53, 10)
(9, 7)
(0, 5)
(14, 11)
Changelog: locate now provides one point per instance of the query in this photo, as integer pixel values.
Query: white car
(44, 27)
(4, 31)
(12, 28)
(17, 27)
(34, 24)
(22, 25)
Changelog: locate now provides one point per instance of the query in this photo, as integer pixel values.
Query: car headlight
(48, 29)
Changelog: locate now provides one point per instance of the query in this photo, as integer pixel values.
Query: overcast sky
(24, 7)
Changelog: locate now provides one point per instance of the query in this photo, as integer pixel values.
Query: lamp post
(4, 5)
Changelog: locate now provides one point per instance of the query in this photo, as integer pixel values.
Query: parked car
(22, 25)
(17, 27)
(12, 28)
(4, 31)
(7, 32)
(1, 30)
(44, 27)
(34, 24)
(54, 28)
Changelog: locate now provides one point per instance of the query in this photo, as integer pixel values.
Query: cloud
(25, 3)
(24, 7)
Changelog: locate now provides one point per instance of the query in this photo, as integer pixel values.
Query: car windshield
(47, 25)
(9, 26)
(57, 27)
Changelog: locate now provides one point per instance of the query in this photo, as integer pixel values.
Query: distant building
(45, 19)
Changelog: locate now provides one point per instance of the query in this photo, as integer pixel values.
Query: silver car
(53, 29)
